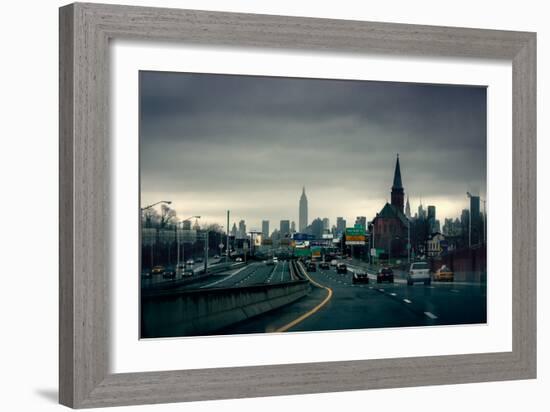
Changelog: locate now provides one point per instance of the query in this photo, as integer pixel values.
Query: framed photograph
(256, 205)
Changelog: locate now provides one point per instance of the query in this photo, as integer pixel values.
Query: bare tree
(167, 217)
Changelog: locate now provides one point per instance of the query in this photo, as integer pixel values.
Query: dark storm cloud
(207, 137)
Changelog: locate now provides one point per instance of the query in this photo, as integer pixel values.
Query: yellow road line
(312, 311)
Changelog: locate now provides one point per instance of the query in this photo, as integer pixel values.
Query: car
(360, 276)
(311, 267)
(216, 256)
(341, 268)
(419, 272)
(324, 265)
(180, 268)
(187, 273)
(333, 262)
(275, 259)
(157, 270)
(384, 274)
(199, 260)
(239, 259)
(169, 274)
(190, 262)
(269, 262)
(444, 274)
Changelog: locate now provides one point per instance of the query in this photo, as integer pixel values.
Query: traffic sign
(355, 235)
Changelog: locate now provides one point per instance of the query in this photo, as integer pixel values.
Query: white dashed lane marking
(430, 315)
(407, 301)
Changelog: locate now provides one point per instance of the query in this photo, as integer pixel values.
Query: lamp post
(409, 240)
(168, 202)
(178, 240)
(470, 222)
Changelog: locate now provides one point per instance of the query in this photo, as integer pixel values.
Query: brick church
(390, 226)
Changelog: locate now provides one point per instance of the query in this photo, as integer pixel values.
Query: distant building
(408, 208)
(434, 244)
(302, 221)
(340, 225)
(431, 219)
(326, 224)
(476, 221)
(293, 227)
(361, 220)
(317, 228)
(284, 228)
(234, 230)
(242, 230)
(196, 226)
(265, 229)
(421, 211)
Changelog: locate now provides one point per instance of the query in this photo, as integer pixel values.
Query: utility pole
(205, 250)
(409, 240)
(470, 222)
(227, 240)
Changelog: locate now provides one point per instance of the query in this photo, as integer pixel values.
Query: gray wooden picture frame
(85, 32)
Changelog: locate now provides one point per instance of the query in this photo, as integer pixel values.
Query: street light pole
(470, 222)
(409, 240)
(227, 240)
(168, 202)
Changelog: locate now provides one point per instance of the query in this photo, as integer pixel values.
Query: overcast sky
(246, 143)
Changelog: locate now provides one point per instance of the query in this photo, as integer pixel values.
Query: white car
(333, 262)
(275, 259)
(239, 259)
(419, 272)
(190, 262)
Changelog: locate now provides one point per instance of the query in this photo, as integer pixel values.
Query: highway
(334, 302)
(371, 305)
(239, 274)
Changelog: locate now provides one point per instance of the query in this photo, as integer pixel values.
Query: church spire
(397, 192)
(397, 184)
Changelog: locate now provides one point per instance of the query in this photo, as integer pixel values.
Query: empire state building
(302, 225)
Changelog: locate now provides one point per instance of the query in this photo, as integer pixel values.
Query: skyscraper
(475, 217)
(340, 225)
(317, 228)
(326, 223)
(242, 230)
(302, 221)
(284, 228)
(397, 192)
(361, 220)
(431, 219)
(293, 227)
(265, 229)
(408, 208)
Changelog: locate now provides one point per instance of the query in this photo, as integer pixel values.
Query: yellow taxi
(444, 274)
(157, 270)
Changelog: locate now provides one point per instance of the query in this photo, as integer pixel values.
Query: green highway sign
(355, 231)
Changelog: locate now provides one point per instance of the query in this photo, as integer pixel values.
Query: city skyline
(249, 144)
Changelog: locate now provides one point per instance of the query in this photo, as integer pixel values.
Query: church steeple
(397, 192)
(397, 184)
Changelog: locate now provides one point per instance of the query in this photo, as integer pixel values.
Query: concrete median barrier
(199, 312)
